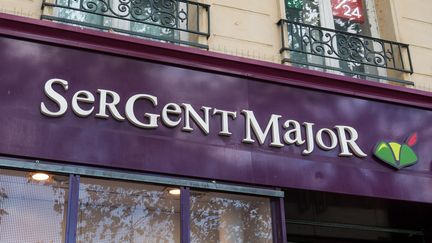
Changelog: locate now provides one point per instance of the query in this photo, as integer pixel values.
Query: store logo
(397, 155)
(277, 132)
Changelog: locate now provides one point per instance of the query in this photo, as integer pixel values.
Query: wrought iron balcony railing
(345, 53)
(177, 21)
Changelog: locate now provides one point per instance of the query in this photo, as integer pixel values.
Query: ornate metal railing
(177, 21)
(346, 53)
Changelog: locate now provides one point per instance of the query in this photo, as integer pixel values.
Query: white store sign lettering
(174, 115)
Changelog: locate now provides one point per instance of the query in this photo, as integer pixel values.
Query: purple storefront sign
(27, 65)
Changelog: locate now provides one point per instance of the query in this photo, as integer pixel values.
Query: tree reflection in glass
(229, 218)
(3, 197)
(32, 211)
(115, 211)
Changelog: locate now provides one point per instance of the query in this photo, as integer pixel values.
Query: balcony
(176, 21)
(344, 53)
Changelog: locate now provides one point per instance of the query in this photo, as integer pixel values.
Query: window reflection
(321, 217)
(32, 211)
(114, 211)
(229, 218)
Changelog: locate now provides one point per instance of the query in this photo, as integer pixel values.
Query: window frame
(333, 65)
(75, 172)
(117, 16)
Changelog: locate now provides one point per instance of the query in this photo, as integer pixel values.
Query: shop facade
(148, 142)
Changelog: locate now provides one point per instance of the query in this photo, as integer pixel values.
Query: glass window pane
(30, 210)
(229, 218)
(321, 217)
(116, 211)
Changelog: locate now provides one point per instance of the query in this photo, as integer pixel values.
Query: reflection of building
(209, 138)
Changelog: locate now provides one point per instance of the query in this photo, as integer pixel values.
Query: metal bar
(72, 209)
(278, 220)
(81, 2)
(135, 176)
(409, 59)
(49, 17)
(401, 57)
(128, 32)
(364, 39)
(355, 227)
(283, 38)
(43, 5)
(301, 39)
(393, 55)
(340, 59)
(208, 21)
(184, 215)
(187, 17)
(177, 23)
(290, 29)
(349, 71)
(311, 37)
(275, 220)
(382, 43)
(283, 221)
(197, 18)
(341, 32)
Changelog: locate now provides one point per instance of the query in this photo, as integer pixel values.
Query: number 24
(347, 8)
(351, 12)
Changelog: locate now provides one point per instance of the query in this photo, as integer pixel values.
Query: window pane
(228, 218)
(322, 217)
(76, 11)
(32, 211)
(116, 211)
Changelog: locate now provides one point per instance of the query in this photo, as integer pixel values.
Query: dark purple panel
(185, 215)
(24, 131)
(72, 208)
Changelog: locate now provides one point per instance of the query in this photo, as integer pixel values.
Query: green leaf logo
(397, 155)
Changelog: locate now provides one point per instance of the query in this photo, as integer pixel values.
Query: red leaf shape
(412, 140)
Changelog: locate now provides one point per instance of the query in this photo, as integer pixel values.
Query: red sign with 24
(348, 9)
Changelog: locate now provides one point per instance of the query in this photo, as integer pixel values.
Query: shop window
(229, 218)
(320, 217)
(341, 36)
(32, 210)
(116, 211)
(177, 21)
(106, 206)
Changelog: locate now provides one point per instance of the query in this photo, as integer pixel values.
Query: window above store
(342, 37)
(176, 21)
(336, 36)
